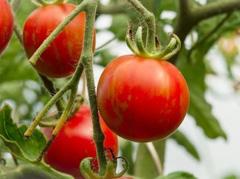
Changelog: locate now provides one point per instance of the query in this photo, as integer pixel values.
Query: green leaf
(144, 166)
(127, 150)
(199, 108)
(28, 171)
(231, 176)
(178, 175)
(182, 140)
(13, 138)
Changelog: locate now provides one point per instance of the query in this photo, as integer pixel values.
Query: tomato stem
(48, 2)
(151, 48)
(45, 109)
(150, 21)
(87, 60)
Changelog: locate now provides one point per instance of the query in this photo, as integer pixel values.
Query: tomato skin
(142, 99)
(75, 142)
(6, 24)
(61, 57)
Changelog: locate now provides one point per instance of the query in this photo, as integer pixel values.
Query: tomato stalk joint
(87, 171)
(136, 44)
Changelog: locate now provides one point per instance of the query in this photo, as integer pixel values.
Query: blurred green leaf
(144, 166)
(13, 138)
(231, 176)
(104, 57)
(127, 150)
(199, 108)
(182, 140)
(119, 26)
(27, 171)
(178, 175)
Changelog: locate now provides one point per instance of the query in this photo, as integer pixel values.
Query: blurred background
(213, 152)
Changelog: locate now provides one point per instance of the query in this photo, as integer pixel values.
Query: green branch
(215, 8)
(189, 16)
(150, 21)
(184, 19)
(87, 60)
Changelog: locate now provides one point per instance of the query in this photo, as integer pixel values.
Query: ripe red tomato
(142, 99)
(75, 142)
(6, 24)
(62, 55)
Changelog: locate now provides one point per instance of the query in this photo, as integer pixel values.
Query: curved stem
(150, 21)
(66, 112)
(87, 60)
(156, 159)
(56, 31)
(48, 84)
(46, 108)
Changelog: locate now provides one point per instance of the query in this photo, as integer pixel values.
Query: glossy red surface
(75, 142)
(142, 99)
(6, 24)
(61, 57)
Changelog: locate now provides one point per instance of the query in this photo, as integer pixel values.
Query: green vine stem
(87, 60)
(45, 109)
(48, 2)
(150, 21)
(33, 60)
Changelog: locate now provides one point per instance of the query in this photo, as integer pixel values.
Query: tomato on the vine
(75, 142)
(142, 99)
(61, 57)
(6, 24)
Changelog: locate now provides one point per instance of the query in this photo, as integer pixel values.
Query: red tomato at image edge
(61, 57)
(75, 142)
(6, 24)
(142, 99)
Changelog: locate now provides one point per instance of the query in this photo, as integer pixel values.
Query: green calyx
(48, 2)
(110, 172)
(136, 44)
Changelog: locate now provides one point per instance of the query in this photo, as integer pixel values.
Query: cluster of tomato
(139, 98)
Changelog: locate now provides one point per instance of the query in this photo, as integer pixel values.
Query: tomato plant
(142, 99)
(6, 24)
(75, 142)
(61, 57)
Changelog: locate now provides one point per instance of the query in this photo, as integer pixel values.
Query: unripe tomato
(75, 142)
(61, 57)
(6, 24)
(142, 99)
